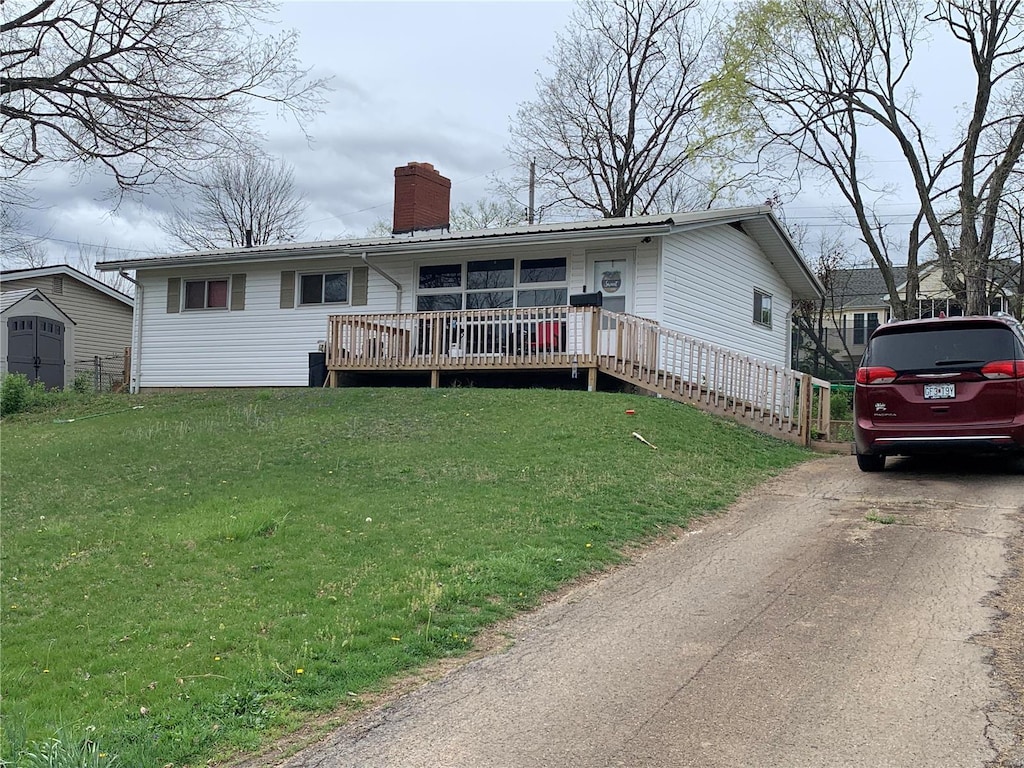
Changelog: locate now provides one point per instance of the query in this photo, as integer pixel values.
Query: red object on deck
(548, 336)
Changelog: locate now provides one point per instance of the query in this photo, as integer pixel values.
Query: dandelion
(299, 671)
(216, 658)
(589, 545)
(369, 519)
(396, 639)
(46, 671)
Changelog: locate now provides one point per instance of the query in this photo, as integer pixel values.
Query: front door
(613, 278)
(35, 347)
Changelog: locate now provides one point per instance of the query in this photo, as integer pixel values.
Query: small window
(438, 302)
(542, 271)
(495, 273)
(206, 294)
(762, 308)
(327, 288)
(441, 276)
(546, 297)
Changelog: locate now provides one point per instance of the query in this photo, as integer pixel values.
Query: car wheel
(871, 462)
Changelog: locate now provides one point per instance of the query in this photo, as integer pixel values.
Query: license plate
(939, 391)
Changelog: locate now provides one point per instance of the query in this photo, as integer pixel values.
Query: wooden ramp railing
(635, 350)
(768, 397)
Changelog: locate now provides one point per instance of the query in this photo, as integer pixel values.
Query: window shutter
(173, 294)
(287, 290)
(360, 281)
(237, 292)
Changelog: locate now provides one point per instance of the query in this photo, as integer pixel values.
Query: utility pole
(533, 185)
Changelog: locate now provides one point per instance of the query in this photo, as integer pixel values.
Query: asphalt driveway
(831, 618)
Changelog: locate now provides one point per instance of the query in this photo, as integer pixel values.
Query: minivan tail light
(1003, 369)
(876, 374)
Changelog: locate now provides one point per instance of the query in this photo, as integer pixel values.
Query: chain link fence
(102, 374)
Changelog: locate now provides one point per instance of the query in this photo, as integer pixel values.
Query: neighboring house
(857, 301)
(251, 316)
(57, 319)
(855, 304)
(934, 298)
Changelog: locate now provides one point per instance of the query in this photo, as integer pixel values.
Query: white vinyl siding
(702, 285)
(709, 279)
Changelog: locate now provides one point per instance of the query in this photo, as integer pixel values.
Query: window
(762, 308)
(206, 294)
(863, 324)
(493, 284)
(483, 277)
(326, 288)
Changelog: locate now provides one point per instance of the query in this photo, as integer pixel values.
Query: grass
(190, 579)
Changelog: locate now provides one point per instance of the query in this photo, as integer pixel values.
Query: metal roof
(758, 222)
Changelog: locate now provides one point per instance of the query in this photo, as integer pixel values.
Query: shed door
(35, 347)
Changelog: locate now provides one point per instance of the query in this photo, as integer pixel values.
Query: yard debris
(96, 415)
(643, 440)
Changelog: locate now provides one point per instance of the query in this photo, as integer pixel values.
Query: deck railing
(541, 337)
(630, 348)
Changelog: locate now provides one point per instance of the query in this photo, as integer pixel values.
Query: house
(252, 316)
(934, 298)
(856, 303)
(58, 320)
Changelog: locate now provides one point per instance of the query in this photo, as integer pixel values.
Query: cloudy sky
(413, 81)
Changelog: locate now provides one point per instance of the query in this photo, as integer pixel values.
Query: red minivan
(940, 385)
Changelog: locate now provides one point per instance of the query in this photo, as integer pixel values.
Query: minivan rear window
(945, 349)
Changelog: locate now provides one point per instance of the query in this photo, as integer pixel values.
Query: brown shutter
(287, 290)
(237, 293)
(174, 294)
(360, 280)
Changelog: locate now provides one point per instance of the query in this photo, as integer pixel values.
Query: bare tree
(18, 249)
(145, 88)
(487, 213)
(619, 125)
(817, 321)
(245, 201)
(1009, 248)
(820, 75)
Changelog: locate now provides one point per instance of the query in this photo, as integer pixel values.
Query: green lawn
(196, 577)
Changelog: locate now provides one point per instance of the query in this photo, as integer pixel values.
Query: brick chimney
(422, 199)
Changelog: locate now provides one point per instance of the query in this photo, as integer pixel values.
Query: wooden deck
(770, 398)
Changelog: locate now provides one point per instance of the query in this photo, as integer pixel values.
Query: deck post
(592, 379)
(435, 378)
(806, 399)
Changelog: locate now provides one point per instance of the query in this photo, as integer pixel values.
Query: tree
(619, 125)
(18, 250)
(249, 200)
(145, 88)
(485, 213)
(817, 321)
(819, 77)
